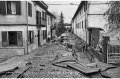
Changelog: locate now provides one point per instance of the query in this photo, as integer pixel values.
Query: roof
(41, 4)
(79, 7)
(95, 28)
(51, 14)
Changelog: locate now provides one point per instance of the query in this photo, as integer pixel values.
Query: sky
(67, 10)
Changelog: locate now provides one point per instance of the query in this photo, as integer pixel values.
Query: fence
(113, 52)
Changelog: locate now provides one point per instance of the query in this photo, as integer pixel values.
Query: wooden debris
(105, 75)
(64, 59)
(85, 70)
(104, 66)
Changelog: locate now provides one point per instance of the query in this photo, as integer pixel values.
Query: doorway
(39, 37)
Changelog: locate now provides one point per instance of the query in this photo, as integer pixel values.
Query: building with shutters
(89, 20)
(41, 21)
(50, 25)
(22, 26)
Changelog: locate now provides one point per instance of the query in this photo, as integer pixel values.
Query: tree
(113, 15)
(60, 28)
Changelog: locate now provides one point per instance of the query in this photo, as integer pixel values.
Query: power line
(63, 4)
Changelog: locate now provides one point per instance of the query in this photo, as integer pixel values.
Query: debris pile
(64, 57)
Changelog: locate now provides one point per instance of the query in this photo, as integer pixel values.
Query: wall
(32, 20)
(13, 50)
(48, 26)
(80, 31)
(15, 19)
(41, 28)
(35, 44)
(95, 14)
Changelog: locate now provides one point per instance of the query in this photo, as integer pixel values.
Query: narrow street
(42, 60)
(59, 39)
(60, 58)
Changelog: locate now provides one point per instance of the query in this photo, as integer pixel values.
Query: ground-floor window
(12, 38)
(30, 37)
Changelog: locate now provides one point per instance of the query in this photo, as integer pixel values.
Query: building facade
(22, 26)
(89, 20)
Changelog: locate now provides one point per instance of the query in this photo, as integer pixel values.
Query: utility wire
(63, 4)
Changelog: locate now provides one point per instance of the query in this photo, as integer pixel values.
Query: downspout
(27, 23)
(87, 24)
(46, 27)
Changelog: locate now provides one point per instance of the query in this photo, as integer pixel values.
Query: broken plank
(104, 66)
(85, 70)
(96, 75)
(64, 59)
(105, 75)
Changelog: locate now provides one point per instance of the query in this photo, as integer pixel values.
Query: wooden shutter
(32, 36)
(2, 8)
(42, 15)
(19, 38)
(9, 7)
(37, 19)
(45, 34)
(18, 7)
(4, 38)
(29, 9)
(28, 37)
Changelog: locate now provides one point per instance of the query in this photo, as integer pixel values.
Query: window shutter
(37, 19)
(2, 8)
(28, 37)
(32, 36)
(4, 38)
(45, 34)
(18, 7)
(19, 38)
(42, 15)
(29, 9)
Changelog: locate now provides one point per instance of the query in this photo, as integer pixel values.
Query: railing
(113, 54)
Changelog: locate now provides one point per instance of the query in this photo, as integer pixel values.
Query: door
(38, 37)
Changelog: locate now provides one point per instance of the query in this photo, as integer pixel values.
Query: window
(38, 17)
(29, 9)
(10, 7)
(12, 38)
(30, 37)
(43, 15)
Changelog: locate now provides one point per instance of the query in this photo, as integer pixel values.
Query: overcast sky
(67, 10)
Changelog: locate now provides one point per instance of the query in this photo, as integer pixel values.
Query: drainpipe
(27, 23)
(86, 24)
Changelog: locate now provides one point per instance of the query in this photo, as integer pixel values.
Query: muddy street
(42, 62)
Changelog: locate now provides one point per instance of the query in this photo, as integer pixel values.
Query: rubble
(65, 59)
